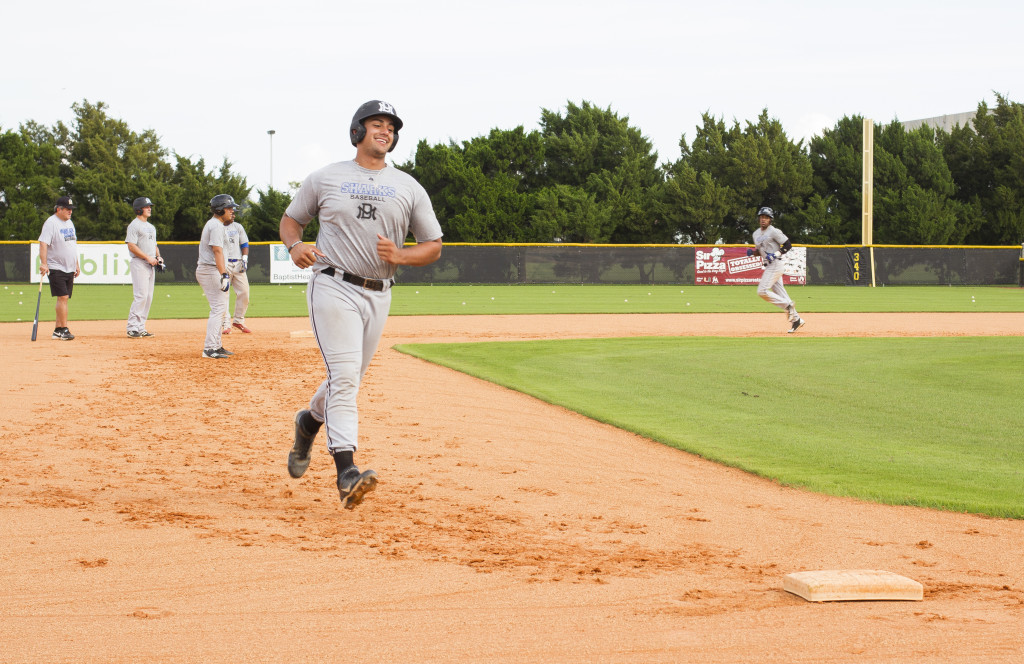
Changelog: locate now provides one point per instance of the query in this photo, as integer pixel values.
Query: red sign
(730, 266)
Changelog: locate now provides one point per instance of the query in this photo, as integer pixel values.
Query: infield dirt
(148, 516)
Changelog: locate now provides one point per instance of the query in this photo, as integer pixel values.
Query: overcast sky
(210, 78)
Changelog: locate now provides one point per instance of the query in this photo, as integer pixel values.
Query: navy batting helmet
(221, 202)
(140, 203)
(770, 213)
(357, 132)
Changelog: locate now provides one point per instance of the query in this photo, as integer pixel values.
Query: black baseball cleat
(132, 334)
(144, 333)
(353, 486)
(62, 333)
(298, 458)
(224, 351)
(797, 324)
(213, 354)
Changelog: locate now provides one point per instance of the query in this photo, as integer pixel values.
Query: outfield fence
(849, 265)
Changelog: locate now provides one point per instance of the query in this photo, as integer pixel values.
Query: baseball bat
(35, 323)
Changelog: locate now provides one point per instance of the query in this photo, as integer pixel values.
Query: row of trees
(104, 166)
(584, 176)
(588, 176)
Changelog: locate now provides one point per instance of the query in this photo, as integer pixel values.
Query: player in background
(771, 244)
(58, 261)
(212, 272)
(141, 241)
(236, 249)
(366, 210)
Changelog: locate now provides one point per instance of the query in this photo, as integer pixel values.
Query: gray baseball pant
(347, 323)
(209, 278)
(143, 283)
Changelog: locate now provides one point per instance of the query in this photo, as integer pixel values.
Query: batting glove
(225, 282)
(769, 258)
(243, 264)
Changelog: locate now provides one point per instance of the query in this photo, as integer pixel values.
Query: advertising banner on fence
(100, 264)
(283, 270)
(730, 266)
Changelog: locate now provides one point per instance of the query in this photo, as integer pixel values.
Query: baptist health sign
(100, 264)
(283, 270)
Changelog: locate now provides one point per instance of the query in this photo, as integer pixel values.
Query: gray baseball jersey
(142, 234)
(353, 205)
(62, 244)
(213, 236)
(769, 241)
(234, 238)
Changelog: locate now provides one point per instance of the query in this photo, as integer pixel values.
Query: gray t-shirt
(234, 238)
(769, 241)
(353, 205)
(213, 236)
(61, 244)
(142, 234)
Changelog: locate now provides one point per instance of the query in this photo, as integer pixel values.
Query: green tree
(728, 173)
(987, 164)
(913, 189)
(598, 152)
(263, 217)
(836, 158)
(29, 180)
(196, 187)
(107, 166)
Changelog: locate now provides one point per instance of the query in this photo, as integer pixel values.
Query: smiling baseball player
(366, 209)
(771, 244)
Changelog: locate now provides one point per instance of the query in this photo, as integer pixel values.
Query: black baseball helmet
(766, 211)
(140, 203)
(357, 131)
(221, 202)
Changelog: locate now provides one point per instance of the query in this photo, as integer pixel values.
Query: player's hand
(750, 252)
(225, 281)
(43, 270)
(243, 264)
(769, 258)
(387, 250)
(304, 255)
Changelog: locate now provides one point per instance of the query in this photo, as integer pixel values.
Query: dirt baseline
(148, 516)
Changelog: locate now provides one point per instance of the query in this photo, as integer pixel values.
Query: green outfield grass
(111, 302)
(933, 422)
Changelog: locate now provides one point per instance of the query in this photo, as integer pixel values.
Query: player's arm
(218, 255)
(422, 253)
(786, 246)
(303, 255)
(135, 251)
(43, 248)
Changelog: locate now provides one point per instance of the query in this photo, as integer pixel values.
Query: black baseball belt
(362, 282)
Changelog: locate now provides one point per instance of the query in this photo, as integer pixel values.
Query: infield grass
(111, 302)
(933, 422)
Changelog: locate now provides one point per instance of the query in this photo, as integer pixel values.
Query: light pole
(271, 132)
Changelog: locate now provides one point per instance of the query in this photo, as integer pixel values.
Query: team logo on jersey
(362, 191)
(366, 211)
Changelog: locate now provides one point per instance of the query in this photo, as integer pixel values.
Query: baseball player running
(237, 251)
(366, 209)
(771, 244)
(141, 241)
(212, 272)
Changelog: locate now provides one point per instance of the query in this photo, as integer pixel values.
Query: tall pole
(867, 200)
(271, 132)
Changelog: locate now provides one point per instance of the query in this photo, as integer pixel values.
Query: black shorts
(61, 283)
